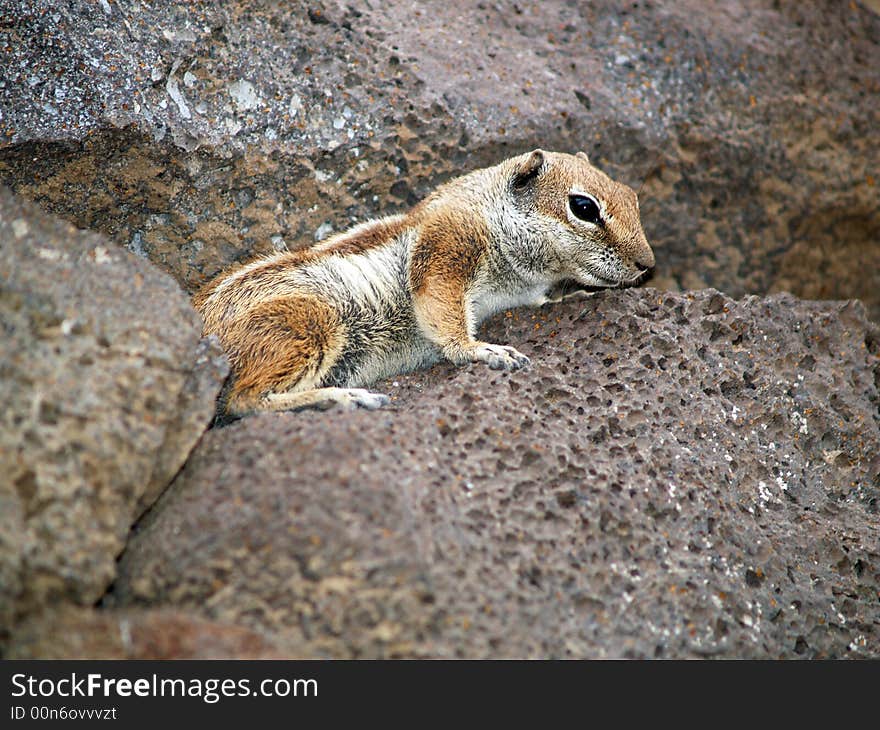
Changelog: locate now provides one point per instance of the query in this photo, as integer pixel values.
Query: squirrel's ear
(527, 170)
(583, 156)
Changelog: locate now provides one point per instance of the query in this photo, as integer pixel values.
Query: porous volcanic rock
(200, 133)
(676, 475)
(106, 386)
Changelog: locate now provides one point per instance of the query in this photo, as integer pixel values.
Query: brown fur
(450, 248)
(278, 346)
(343, 313)
(444, 263)
(207, 289)
(620, 201)
(375, 234)
(274, 264)
(271, 273)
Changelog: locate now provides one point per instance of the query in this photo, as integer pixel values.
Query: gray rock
(196, 134)
(106, 388)
(675, 476)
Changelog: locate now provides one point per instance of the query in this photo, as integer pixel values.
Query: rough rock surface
(86, 633)
(105, 388)
(687, 475)
(675, 476)
(199, 133)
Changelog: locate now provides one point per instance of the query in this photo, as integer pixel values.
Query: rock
(106, 388)
(670, 483)
(198, 134)
(329, 562)
(675, 476)
(195, 409)
(86, 633)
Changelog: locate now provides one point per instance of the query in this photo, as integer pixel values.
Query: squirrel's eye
(585, 208)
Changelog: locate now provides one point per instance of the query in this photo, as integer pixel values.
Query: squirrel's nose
(644, 260)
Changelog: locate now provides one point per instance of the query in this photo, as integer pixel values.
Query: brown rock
(696, 482)
(201, 134)
(86, 633)
(106, 388)
(675, 476)
(305, 537)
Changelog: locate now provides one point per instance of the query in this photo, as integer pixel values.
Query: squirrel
(312, 327)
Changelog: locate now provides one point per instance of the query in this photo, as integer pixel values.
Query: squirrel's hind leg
(280, 351)
(324, 398)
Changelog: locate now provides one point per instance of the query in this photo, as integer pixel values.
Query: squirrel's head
(588, 224)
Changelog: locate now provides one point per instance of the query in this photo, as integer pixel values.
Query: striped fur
(311, 328)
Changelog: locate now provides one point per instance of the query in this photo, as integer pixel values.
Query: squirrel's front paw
(499, 357)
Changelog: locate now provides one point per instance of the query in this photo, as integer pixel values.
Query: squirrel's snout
(644, 260)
